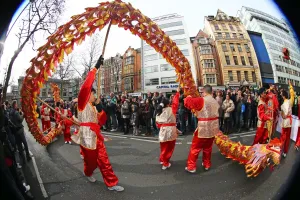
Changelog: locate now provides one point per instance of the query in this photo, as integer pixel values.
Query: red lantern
(286, 53)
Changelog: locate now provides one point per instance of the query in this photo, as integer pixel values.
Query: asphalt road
(135, 161)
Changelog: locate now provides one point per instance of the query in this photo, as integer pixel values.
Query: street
(135, 162)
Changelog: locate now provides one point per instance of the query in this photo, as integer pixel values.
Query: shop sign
(166, 86)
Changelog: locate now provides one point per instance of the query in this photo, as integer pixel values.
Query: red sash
(167, 124)
(94, 127)
(207, 119)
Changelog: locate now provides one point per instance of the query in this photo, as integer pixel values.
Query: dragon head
(262, 156)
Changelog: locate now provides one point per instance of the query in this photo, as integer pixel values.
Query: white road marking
(38, 176)
(145, 140)
(134, 136)
(115, 136)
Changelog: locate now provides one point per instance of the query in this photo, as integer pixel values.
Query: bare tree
(41, 16)
(91, 53)
(65, 71)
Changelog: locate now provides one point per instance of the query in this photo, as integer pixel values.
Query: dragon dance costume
(207, 111)
(89, 137)
(166, 121)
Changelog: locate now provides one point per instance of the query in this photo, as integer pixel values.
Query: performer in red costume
(46, 112)
(89, 137)
(262, 130)
(166, 121)
(297, 144)
(286, 113)
(67, 123)
(272, 98)
(57, 114)
(207, 111)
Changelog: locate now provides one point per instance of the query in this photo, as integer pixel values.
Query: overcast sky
(119, 39)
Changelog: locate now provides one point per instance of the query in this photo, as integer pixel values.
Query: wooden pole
(103, 51)
(38, 98)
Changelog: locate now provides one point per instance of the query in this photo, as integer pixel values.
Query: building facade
(238, 61)
(66, 88)
(110, 75)
(157, 74)
(276, 35)
(206, 60)
(131, 70)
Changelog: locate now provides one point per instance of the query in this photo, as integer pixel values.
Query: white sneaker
(27, 187)
(116, 188)
(206, 169)
(164, 167)
(91, 179)
(70, 142)
(81, 156)
(284, 155)
(190, 171)
(113, 130)
(19, 166)
(66, 142)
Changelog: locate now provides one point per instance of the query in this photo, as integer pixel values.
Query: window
(210, 78)
(264, 28)
(234, 35)
(208, 63)
(44, 93)
(166, 67)
(242, 36)
(232, 47)
(151, 69)
(175, 32)
(247, 48)
(246, 75)
(168, 80)
(253, 77)
(227, 60)
(180, 41)
(273, 46)
(202, 41)
(219, 36)
(128, 83)
(269, 37)
(227, 35)
(235, 60)
(147, 48)
(224, 47)
(278, 40)
(238, 28)
(151, 57)
(239, 77)
(274, 32)
(205, 49)
(185, 52)
(216, 27)
(230, 75)
(250, 61)
(243, 60)
(172, 24)
(153, 81)
(129, 60)
(239, 47)
(224, 26)
(231, 27)
(281, 80)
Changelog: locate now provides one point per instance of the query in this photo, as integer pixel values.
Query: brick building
(131, 70)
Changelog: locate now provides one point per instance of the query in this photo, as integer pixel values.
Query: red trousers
(298, 138)
(98, 158)
(46, 125)
(166, 152)
(285, 139)
(67, 136)
(199, 144)
(261, 136)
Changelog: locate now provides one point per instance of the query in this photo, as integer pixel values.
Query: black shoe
(28, 196)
